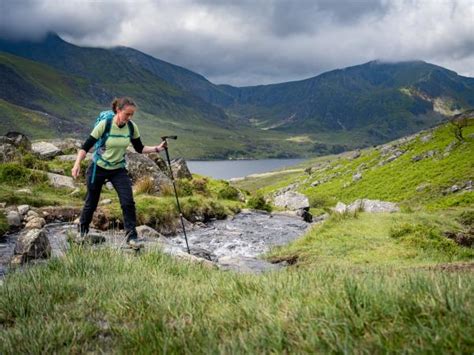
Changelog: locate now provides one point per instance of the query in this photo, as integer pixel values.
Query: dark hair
(120, 103)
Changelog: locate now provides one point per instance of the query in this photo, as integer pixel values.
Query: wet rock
(244, 264)
(180, 169)
(23, 209)
(59, 213)
(202, 253)
(45, 150)
(305, 214)
(59, 181)
(32, 244)
(14, 219)
(182, 256)
(146, 232)
(292, 200)
(140, 166)
(35, 223)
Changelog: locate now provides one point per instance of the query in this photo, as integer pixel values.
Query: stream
(234, 243)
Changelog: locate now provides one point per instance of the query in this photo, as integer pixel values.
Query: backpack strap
(99, 145)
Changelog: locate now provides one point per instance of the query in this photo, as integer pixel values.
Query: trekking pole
(164, 138)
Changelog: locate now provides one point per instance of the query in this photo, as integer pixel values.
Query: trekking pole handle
(169, 137)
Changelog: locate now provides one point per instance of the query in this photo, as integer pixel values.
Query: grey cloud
(258, 42)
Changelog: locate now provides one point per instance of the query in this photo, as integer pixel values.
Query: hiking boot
(135, 243)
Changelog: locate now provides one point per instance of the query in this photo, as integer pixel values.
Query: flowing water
(234, 243)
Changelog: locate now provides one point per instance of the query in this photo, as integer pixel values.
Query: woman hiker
(117, 129)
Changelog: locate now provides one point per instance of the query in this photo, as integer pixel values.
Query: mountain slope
(382, 100)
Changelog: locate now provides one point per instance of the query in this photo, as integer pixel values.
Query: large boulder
(292, 200)
(67, 145)
(140, 166)
(180, 169)
(32, 244)
(45, 150)
(57, 180)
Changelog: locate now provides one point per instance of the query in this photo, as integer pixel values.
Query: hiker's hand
(75, 171)
(161, 146)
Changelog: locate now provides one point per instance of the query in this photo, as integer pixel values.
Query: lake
(228, 169)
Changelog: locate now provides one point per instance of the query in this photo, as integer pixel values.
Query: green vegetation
(103, 300)
(258, 202)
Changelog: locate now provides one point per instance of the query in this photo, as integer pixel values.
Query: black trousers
(122, 184)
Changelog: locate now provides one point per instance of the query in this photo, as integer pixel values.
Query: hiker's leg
(92, 197)
(123, 185)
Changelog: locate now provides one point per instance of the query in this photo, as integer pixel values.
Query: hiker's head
(124, 107)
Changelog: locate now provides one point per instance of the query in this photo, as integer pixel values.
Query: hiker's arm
(81, 154)
(76, 169)
(140, 148)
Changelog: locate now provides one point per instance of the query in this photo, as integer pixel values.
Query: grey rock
(356, 177)
(244, 264)
(8, 151)
(106, 201)
(140, 166)
(305, 214)
(3, 204)
(426, 137)
(109, 186)
(374, 206)
(23, 209)
(422, 187)
(35, 223)
(315, 183)
(59, 181)
(180, 169)
(454, 188)
(292, 200)
(356, 154)
(146, 232)
(24, 191)
(72, 157)
(14, 219)
(468, 185)
(32, 213)
(19, 140)
(45, 150)
(33, 244)
(340, 208)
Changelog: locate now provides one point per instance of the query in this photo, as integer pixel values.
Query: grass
(104, 301)
(396, 240)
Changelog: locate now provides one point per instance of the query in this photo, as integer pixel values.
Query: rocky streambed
(235, 243)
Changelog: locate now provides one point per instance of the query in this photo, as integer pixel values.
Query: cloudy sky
(250, 42)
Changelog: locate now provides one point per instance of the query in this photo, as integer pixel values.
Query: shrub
(3, 224)
(32, 162)
(199, 185)
(258, 203)
(467, 218)
(229, 192)
(145, 185)
(16, 174)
